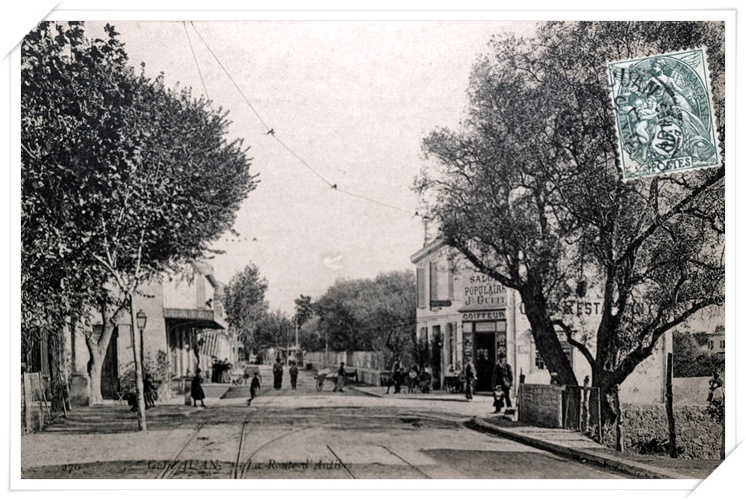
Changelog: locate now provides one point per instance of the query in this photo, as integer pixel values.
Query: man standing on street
(340, 378)
(293, 376)
(277, 372)
(502, 380)
(470, 374)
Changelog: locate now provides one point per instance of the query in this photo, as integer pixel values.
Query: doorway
(110, 383)
(484, 359)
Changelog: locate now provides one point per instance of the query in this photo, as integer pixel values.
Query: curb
(411, 397)
(638, 471)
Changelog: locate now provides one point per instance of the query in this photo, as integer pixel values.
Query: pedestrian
(340, 378)
(196, 391)
(255, 386)
(277, 371)
(470, 375)
(398, 379)
(150, 392)
(715, 383)
(226, 375)
(247, 375)
(502, 381)
(426, 380)
(391, 380)
(414, 373)
(293, 376)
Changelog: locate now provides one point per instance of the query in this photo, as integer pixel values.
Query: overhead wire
(196, 63)
(271, 131)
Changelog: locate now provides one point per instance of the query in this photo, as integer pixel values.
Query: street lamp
(142, 320)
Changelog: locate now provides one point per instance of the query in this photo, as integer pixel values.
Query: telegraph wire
(333, 186)
(271, 131)
(230, 77)
(372, 200)
(195, 60)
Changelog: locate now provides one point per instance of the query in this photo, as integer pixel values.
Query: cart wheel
(319, 384)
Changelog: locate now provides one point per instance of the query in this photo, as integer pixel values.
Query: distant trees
(370, 314)
(692, 358)
(529, 191)
(245, 306)
(122, 179)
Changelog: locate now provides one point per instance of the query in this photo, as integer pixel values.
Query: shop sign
(483, 315)
(479, 290)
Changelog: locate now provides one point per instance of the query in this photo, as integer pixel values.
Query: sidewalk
(574, 445)
(380, 392)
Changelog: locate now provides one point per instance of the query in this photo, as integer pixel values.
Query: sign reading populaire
(479, 291)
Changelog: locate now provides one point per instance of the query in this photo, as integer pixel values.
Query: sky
(353, 100)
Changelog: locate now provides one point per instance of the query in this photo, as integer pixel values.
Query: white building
(465, 313)
(185, 327)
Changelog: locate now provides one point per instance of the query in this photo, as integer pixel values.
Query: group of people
(414, 379)
(502, 381)
(278, 369)
(150, 394)
(221, 372)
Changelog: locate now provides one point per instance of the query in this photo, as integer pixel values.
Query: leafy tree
(163, 183)
(365, 314)
(274, 329)
(303, 309)
(245, 305)
(529, 191)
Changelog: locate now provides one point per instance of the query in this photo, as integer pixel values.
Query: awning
(195, 318)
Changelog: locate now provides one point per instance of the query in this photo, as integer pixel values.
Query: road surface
(290, 434)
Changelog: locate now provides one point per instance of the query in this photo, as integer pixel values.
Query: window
(722, 344)
(421, 287)
(539, 362)
(450, 335)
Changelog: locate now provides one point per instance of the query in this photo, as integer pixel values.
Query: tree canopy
(370, 314)
(245, 306)
(529, 191)
(122, 177)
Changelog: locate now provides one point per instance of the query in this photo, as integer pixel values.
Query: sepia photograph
(372, 249)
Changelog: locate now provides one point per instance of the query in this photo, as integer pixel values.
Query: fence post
(669, 407)
(26, 404)
(619, 421)
(584, 417)
(598, 421)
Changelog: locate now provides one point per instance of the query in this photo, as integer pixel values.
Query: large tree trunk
(97, 347)
(603, 379)
(59, 373)
(95, 365)
(547, 343)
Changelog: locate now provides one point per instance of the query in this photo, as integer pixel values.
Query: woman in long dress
(197, 392)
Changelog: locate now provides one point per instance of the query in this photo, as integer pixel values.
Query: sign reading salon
(479, 291)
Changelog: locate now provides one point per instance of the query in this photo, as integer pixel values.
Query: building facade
(464, 313)
(184, 329)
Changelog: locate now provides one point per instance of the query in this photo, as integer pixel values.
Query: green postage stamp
(664, 115)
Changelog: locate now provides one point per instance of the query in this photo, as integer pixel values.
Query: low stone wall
(368, 376)
(541, 405)
(698, 435)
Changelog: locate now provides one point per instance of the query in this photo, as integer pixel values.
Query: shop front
(485, 338)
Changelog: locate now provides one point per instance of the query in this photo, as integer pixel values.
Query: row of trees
(529, 191)
(123, 179)
(352, 315)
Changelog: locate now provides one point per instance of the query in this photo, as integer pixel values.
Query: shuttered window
(421, 299)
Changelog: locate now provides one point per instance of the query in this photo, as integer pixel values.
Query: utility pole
(297, 345)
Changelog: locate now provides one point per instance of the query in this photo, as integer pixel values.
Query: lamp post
(142, 320)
